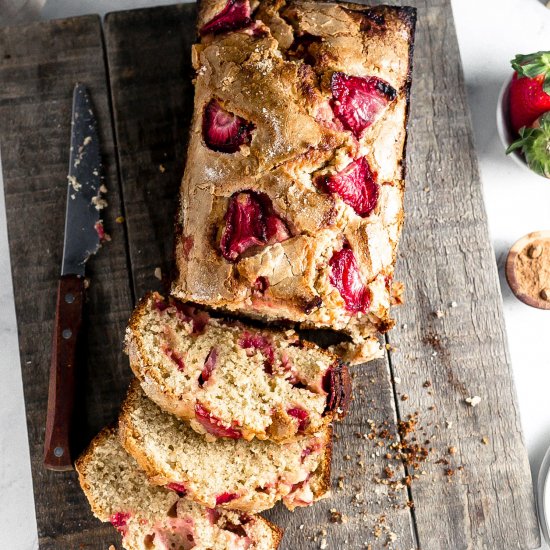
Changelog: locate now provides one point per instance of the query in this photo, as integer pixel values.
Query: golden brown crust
(263, 79)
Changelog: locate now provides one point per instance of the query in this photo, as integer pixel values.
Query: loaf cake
(155, 518)
(249, 476)
(292, 198)
(231, 380)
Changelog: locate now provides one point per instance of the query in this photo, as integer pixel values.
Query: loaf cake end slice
(233, 380)
(234, 474)
(292, 197)
(155, 518)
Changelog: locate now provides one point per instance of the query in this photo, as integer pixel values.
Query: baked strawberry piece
(346, 277)
(250, 221)
(358, 101)
(235, 15)
(355, 185)
(224, 131)
(238, 381)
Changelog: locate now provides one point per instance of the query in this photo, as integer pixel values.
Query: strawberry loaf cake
(292, 198)
(234, 474)
(231, 380)
(156, 518)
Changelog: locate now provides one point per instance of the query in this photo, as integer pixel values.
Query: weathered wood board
(39, 65)
(445, 257)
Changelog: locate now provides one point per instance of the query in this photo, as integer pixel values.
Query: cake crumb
(162, 169)
(158, 273)
(119, 219)
(453, 304)
(323, 544)
(473, 401)
(438, 313)
(485, 440)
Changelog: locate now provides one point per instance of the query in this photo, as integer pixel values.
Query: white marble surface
(490, 33)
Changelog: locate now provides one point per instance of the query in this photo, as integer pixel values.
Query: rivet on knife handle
(68, 319)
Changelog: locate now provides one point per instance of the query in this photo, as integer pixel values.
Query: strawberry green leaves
(534, 143)
(533, 65)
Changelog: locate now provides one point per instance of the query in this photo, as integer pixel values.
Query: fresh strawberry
(209, 366)
(356, 185)
(250, 221)
(534, 143)
(235, 15)
(529, 93)
(346, 277)
(300, 415)
(224, 131)
(358, 101)
(214, 425)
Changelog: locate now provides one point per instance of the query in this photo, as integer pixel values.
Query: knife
(83, 236)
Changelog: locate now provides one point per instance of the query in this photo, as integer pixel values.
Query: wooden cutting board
(449, 343)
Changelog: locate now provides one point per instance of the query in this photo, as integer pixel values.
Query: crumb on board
(485, 440)
(158, 273)
(99, 202)
(438, 313)
(119, 219)
(162, 168)
(473, 401)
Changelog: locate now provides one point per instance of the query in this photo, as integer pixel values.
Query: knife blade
(82, 239)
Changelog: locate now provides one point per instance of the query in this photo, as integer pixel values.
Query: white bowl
(505, 132)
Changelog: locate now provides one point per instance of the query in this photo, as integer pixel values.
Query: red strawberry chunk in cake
(223, 131)
(358, 101)
(119, 520)
(209, 366)
(302, 417)
(213, 425)
(250, 221)
(178, 488)
(356, 186)
(261, 343)
(225, 497)
(346, 277)
(235, 15)
(176, 357)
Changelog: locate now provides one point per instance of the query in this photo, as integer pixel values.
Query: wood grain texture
(39, 65)
(448, 266)
(149, 58)
(137, 78)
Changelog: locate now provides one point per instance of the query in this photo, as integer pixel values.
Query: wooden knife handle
(68, 319)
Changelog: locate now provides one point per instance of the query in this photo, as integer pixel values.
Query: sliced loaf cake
(231, 380)
(155, 518)
(250, 476)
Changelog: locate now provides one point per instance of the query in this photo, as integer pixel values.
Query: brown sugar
(533, 269)
(528, 269)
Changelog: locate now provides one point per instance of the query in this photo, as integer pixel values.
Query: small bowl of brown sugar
(528, 269)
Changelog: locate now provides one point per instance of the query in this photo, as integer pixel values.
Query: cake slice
(155, 518)
(231, 380)
(250, 476)
(292, 197)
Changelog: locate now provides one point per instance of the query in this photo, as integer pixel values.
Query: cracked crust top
(277, 74)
